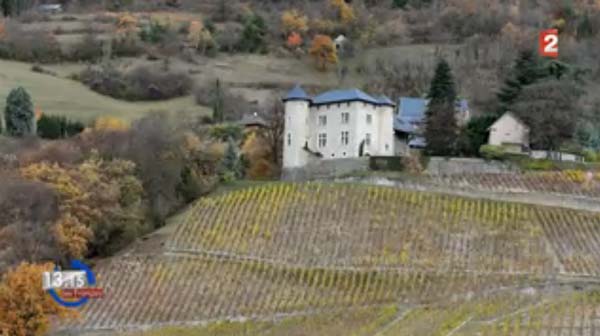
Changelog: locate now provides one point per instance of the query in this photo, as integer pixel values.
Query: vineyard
(570, 182)
(281, 250)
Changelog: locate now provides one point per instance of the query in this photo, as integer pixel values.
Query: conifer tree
(218, 103)
(18, 114)
(527, 70)
(440, 120)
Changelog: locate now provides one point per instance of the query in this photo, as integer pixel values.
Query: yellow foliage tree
(256, 150)
(294, 21)
(324, 52)
(72, 236)
(199, 37)
(108, 123)
(25, 308)
(345, 11)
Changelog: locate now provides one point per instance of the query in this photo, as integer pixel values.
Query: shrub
(33, 46)
(536, 164)
(491, 152)
(154, 32)
(253, 37)
(142, 83)
(56, 127)
(224, 132)
(89, 48)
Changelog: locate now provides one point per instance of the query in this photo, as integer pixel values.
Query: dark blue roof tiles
(338, 96)
(297, 93)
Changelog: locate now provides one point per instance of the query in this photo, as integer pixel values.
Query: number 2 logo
(549, 43)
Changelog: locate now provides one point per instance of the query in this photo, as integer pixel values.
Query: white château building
(336, 124)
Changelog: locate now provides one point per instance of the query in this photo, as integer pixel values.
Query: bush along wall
(390, 163)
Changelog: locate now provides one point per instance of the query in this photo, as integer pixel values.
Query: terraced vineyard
(571, 182)
(282, 250)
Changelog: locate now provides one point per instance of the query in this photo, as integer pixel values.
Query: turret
(295, 137)
(386, 126)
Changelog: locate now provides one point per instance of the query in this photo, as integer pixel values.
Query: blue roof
(412, 111)
(384, 100)
(418, 142)
(297, 93)
(336, 96)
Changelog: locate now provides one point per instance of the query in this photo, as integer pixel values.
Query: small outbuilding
(509, 132)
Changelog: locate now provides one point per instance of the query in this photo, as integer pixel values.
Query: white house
(336, 124)
(510, 132)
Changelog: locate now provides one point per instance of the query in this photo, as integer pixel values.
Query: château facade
(336, 124)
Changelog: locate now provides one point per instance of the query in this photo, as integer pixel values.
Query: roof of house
(384, 100)
(336, 96)
(297, 93)
(418, 142)
(509, 114)
(412, 111)
(252, 119)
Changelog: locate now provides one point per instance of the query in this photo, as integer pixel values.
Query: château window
(289, 139)
(345, 138)
(322, 120)
(322, 140)
(369, 119)
(345, 117)
(368, 139)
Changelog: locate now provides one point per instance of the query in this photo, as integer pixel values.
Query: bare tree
(275, 118)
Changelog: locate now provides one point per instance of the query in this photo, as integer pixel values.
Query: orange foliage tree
(25, 308)
(294, 40)
(199, 37)
(127, 26)
(294, 21)
(323, 50)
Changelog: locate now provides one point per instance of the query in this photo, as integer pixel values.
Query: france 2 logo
(548, 44)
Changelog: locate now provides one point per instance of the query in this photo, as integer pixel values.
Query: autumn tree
(324, 52)
(127, 27)
(257, 151)
(344, 11)
(18, 114)
(199, 37)
(294, 40)
(108, 123)
(440, 121)
(293, 21)
(25, 308)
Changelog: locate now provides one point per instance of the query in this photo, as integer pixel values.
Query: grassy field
(60, 96)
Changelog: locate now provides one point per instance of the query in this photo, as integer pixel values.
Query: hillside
(277, 252)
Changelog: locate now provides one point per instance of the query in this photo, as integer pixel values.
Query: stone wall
(323, 169)
(450, 166)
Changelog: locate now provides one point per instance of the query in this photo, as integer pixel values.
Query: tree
(7, 7)
(112, 124)
(323, 50)
(25, 308)
(253, 36)
(294, 40)
(218, 102)
(475, 134)
(550, 109)
(440, 121)
(231, 165)
(273, 134)
(293, 21)
(199, 37)
(18, 113)
(345, 12)
(527, 70)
